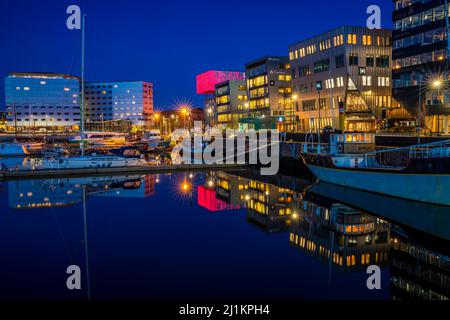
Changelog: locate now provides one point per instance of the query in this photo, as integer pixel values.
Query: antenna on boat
(83, 19)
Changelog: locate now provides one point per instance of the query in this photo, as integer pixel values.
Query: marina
(210, 224)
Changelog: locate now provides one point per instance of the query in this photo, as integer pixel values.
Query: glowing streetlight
(295, 97)
(437, 84)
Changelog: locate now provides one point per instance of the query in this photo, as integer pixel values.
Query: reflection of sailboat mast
(86, 243)
(331, 255)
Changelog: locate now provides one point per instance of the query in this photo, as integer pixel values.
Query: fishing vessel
(419, 173)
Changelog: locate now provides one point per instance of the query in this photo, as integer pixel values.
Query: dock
(120, 171)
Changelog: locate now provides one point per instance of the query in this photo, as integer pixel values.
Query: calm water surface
(216, 235)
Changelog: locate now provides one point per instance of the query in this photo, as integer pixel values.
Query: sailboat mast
(83, 18)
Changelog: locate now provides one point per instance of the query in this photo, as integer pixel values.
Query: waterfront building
(205, 85)
(114, 101)
(231, 103)
(3, 121)
(342, 79)
(269, 94)
(36, 100)
(421, 61)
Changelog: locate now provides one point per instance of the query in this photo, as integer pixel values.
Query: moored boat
(15, 149)
(420, 173)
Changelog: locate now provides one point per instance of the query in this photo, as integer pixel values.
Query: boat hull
(92, 162)
(430, 188)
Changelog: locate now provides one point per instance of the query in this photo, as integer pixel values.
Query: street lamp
(157, 116)
(437, 85)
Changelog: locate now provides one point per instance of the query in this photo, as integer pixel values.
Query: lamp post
(437, 85)
(295, 100)
(157, 117)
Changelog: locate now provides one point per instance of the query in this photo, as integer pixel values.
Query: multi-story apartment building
(231, 103)
(420, 61)
(42, 100)
(126, 100)
(269, 94)
(348, 67)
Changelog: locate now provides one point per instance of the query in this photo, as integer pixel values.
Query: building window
(383, 81)
(304, 71)
(351, 38)
(367, 40)
(370, 61)
(382, 61)
(353, 60)
(366, 80)
(339, 61)
(321, 66)
(338, 40)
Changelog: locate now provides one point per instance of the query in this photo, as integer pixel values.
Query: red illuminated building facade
(207, 80)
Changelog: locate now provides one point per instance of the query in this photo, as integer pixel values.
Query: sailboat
(93, 160)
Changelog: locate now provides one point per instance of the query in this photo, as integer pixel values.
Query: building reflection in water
(35, 194)
(345, 238)
(269, 204)
(417, 272)
(349, 239)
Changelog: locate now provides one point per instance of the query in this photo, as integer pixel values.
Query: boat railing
(438, 149)
(315, 148)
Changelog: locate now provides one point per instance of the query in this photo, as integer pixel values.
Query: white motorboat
(15, 149)
(152, 138)
(84, 162)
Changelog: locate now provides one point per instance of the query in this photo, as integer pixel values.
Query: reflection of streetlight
(437, 84)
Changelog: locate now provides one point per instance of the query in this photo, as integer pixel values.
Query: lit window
(66, 89)
(17, 88)
(26, 88)
(43, 82)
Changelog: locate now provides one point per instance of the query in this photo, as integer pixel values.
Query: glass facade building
(350, 66)
(420, 59)
(269, 94)
(231, 103)
(42, 100)
(127, 100)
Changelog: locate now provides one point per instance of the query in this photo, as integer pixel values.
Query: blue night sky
(165, 42)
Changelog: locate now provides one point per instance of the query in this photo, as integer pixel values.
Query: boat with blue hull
(419, 173)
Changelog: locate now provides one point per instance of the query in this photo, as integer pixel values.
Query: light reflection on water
(216, 235)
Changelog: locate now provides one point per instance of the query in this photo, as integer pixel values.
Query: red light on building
(206, 198)
(207, 80)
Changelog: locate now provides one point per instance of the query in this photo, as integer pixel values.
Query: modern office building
(421, 61)
(36, 100)
(350, 66)
(269, 94)
(205, 85)
(111, 101)
(231, 103)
